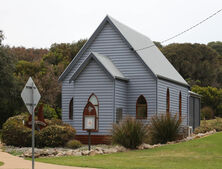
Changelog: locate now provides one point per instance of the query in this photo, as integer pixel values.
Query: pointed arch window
(180, 105)
(94, 100)
(71, 109)
(141, 108)
(168, 101)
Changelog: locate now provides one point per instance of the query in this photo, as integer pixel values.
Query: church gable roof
(104, 62)
(151, 56)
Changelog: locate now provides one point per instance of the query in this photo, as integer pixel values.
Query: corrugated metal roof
(152, 56)
(107, 64)
(194, 94)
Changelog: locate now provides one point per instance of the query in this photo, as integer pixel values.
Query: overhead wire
(204, 20)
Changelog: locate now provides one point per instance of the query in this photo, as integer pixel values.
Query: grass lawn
(1, 163)
(203, 153)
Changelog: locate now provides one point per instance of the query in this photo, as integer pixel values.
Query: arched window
(71, 109)
(168, 101)
(94, 100)
(180, 105)
(141, 108)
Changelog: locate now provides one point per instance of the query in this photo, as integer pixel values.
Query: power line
(183, 31)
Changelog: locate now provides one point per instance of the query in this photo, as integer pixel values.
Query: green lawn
(1, 163)
(203, 153)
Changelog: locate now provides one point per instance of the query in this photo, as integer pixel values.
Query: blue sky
(39, 23)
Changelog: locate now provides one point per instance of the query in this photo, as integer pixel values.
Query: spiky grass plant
(129, 133)
(164, 128)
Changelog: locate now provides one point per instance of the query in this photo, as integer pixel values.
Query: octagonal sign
(30, 95)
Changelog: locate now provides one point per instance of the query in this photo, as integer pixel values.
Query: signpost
(90, 122)
(31, 96)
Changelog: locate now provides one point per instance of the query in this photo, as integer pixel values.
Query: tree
(10, 100)
(158, 44)
(63, 53)
(216, 46)
(1, 37)
(196, 62)
(30, 54)
(210, 97)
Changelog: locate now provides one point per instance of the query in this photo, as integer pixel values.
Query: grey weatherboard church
(121, 77)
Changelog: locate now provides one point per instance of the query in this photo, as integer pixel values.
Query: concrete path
(13, 162)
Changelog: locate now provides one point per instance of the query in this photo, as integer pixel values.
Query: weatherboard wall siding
(93, 79)
(120, 97)
(142, 81)
(67, 94)
(174, 98)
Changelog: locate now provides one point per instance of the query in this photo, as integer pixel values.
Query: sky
(40, 23)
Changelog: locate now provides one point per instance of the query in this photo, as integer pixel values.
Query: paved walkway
(13, 162)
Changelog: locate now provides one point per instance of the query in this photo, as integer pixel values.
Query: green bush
(55, 135)
(74, 144)
(211, 97)
(54, 122)
(208, 125)
(49, 112)
(207, 113)
(202, 129)
(164, 128)
(129, 133)
(15, 133)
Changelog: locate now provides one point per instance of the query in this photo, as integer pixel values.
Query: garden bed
(26, 152)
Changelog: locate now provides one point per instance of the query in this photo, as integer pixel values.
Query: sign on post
(31, 96)
(89, 120)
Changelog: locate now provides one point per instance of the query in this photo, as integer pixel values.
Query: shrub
(55, 135)
(54, 122)
(49, 112)
(210, 96)
(129, 133)
(208, 125)
(164, 128)
(15, 133)
(202, 129)
(74, 144)
(207, 113)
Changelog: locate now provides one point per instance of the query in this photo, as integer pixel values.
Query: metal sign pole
(89, 140)
(33, 128)
(31, 96)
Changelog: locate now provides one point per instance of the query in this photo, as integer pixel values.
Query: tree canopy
(197, 63)
(10, 101)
